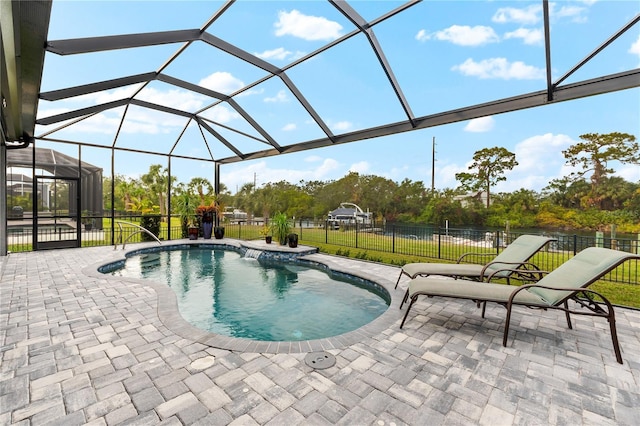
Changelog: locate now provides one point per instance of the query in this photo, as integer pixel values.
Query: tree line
(588, 199)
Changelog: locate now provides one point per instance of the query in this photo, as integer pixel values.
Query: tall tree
(203, 188)
(157, 184)
(594, 154)
(487, 169)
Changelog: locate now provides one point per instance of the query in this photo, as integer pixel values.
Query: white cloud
(539, 153)
(464, 35)
(144, 120)
(289, 127)
(110, 95)
(478, 125)
(178, 99)
(328, 165)
(527, 16)
(499, 68)
(528, 35)
(635, 47)
(49, 112)
(574, 13)
(222, 82)
(446, 175)
(280, 53)
(237, 177)
(422, 36)
(539, 160)
(341, 126)
(361, 167)
(629, 172)
(221, 114)
(281, 96)
(307, 27)
(99, 123)
(312, 159)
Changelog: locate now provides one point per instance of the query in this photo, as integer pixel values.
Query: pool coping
(170, 316)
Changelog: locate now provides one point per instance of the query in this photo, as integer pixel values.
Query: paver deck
(80, 348)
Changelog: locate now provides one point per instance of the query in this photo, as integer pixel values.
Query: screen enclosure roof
(206, 80)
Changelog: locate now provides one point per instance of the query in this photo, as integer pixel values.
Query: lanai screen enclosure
(128, 125)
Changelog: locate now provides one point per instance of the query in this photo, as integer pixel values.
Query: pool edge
(169, 314)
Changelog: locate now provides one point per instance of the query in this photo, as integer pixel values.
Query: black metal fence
(448, 244)
(409, 242)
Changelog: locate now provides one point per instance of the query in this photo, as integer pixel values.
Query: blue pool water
(222, 292)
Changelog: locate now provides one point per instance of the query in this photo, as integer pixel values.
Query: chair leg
(413, 299)
(506, 326)
(484, 308)
(404, 298)
(614, 337)
(566, 312)
(399, 276)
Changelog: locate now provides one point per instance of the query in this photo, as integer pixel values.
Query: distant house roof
(348, 210)
(343, 211)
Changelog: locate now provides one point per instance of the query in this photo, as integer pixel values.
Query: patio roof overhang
(23, 32)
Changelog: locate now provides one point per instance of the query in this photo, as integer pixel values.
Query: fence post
(356, 234)
(326, 231)
(439, 242)
(575, 244)
(393, 238)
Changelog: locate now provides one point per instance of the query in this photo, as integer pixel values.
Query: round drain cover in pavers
(203, 363)
(320, 360)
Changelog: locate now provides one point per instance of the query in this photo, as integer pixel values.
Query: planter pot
(293, 240)
(193, 233)
(268, 239)
(218, 232)
(88, 226)
(206, 230)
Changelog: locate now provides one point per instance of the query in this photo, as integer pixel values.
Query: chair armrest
(526, 271)
(595, 306)
(474, 254)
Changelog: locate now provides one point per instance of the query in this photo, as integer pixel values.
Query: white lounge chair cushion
(462, 289)
(446, 269)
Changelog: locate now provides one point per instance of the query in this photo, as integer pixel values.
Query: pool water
(222, 292)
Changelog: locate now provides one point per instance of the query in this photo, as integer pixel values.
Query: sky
(443, 54)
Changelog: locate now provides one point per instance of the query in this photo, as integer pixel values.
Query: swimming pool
(224, 292)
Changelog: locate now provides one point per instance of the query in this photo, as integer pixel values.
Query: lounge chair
(514, 256)
(553, 291)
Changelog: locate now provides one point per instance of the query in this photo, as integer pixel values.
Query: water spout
(252, 253)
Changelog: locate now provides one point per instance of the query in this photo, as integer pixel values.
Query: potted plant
(186, 208)
(206, 218)
(192, 231)
(218, 232)
(293, 240)
(266, 233)
(219, 208)
(281, 227)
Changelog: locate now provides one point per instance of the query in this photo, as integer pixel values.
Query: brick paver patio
(78, 347)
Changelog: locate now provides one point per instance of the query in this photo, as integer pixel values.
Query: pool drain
(320, 360)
